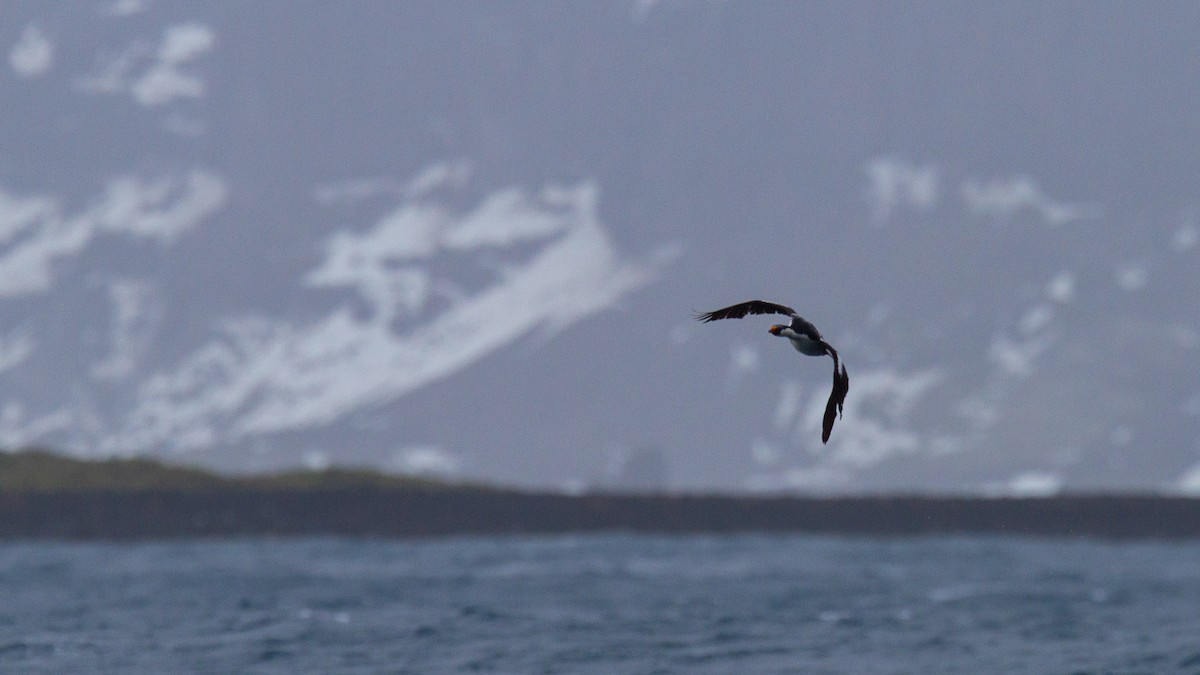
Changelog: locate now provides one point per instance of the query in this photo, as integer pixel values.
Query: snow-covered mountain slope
(468, 239)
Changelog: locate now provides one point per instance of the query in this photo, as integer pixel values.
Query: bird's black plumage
(837, 397)
(743, 308)
(806, 338)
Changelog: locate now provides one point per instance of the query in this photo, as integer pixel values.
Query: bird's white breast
(804, 344)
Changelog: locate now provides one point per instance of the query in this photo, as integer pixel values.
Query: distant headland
(48, 496)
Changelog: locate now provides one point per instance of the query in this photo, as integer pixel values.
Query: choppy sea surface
(602, 604)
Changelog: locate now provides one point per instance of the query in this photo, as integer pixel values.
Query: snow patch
(641, 9)
(764, 452)
(895, 183)
(1132, 276)
(18, 429)
(315, 460)
(981, 412)
(1034, 484)
(877, 424)
(14, 349)
(788, 405)
(160, 76)
(1061, 288)
(354, 191)
(426, 460)
(1185, 238)
(743, 360)
(1188, 483)
(137, 314)
(1016, 358)
(1006, 197)
(33, 54)
(265, 375)
(126, 7)
(160, 209)
(1036, 318)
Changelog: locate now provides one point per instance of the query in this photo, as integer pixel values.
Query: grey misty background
(466, 239)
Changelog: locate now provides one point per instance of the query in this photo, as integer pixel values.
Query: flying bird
(805, 338)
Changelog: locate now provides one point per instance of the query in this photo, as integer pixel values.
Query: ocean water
(602, 604)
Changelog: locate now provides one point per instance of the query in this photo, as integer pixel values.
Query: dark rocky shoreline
(372, 511)
(44, 495)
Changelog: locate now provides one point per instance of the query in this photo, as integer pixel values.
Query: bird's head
(774, 330)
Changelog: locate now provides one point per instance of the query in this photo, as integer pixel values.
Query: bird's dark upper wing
(743, 308)
(805, 327)
(837, 397)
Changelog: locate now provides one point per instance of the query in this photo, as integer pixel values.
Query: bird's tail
(841, 381)
(837, 398)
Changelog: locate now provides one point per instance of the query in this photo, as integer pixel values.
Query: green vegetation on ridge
(40, 470)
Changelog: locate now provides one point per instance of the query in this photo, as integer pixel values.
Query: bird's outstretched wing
(743, 308)
(837, 397)
(841, 379)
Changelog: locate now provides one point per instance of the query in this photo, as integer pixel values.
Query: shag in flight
(805, 338)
